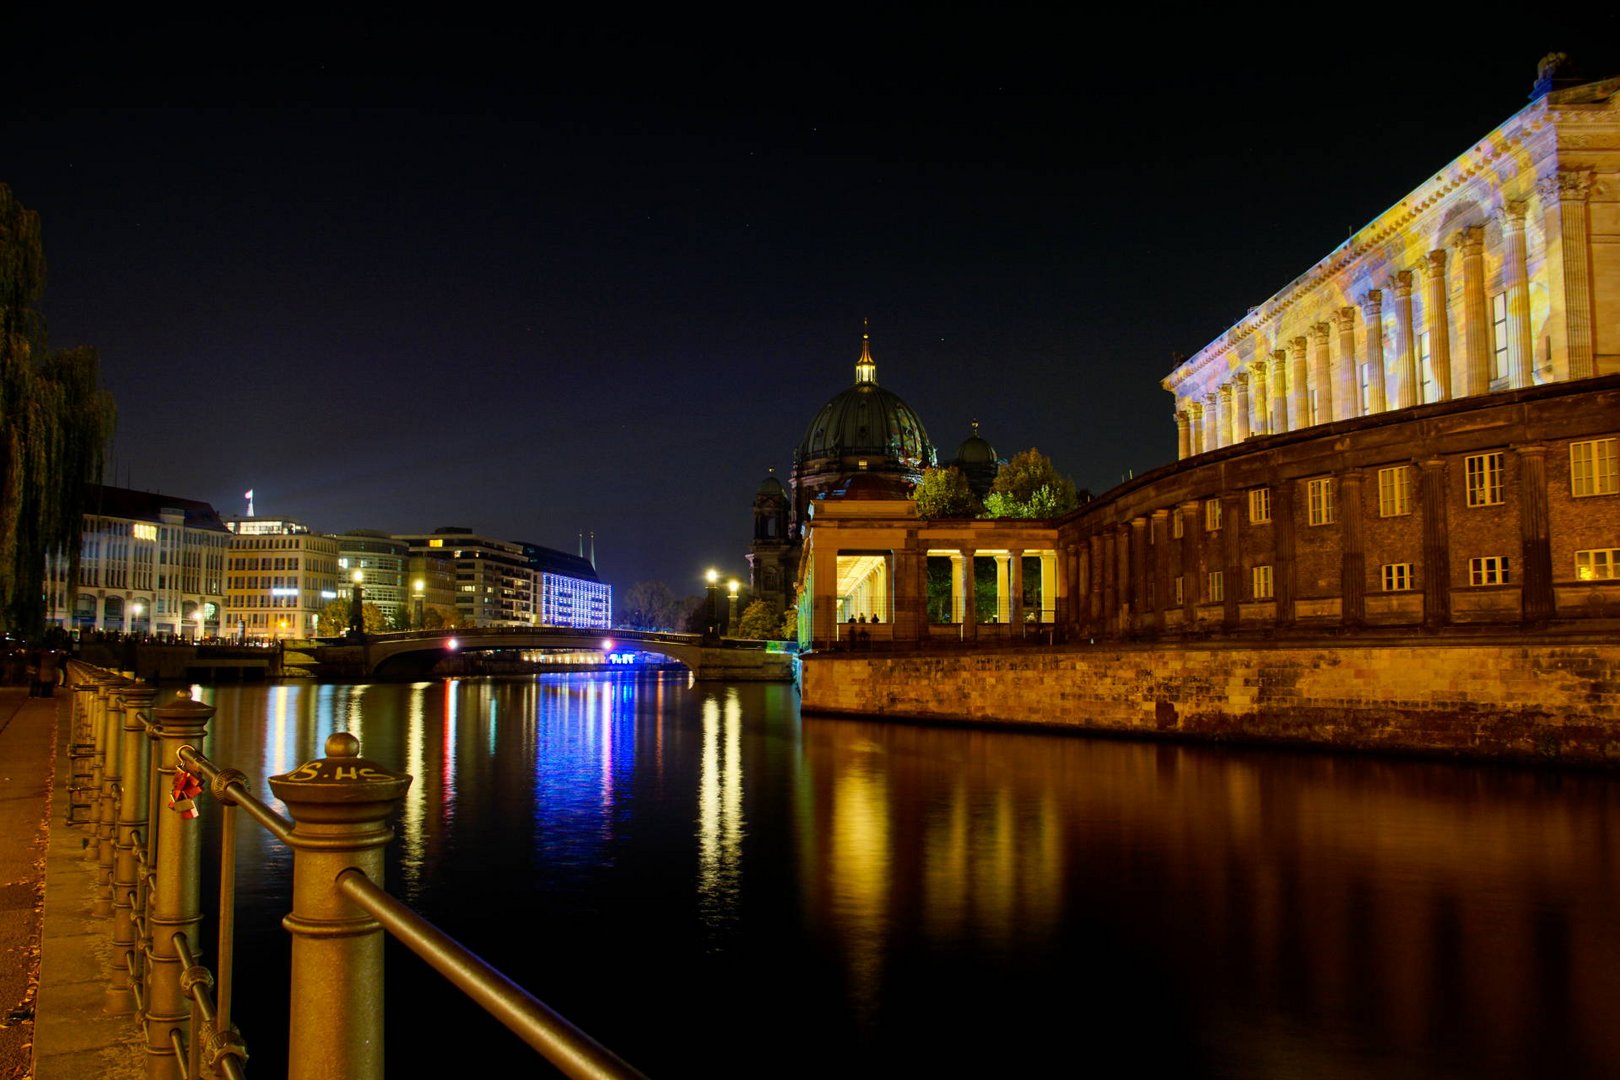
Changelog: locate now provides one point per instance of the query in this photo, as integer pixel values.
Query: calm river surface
(713, 886)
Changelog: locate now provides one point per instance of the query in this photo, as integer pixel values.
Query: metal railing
(137, 773)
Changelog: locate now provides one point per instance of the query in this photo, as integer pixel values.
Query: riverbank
(1545, 700)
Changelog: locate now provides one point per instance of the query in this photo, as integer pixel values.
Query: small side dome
(771, 487)
(977, 461)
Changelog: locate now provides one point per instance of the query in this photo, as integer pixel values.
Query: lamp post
(713, 579)
(357, 618)
(416, 588)
(201, 616)
(731, 611)
(135, 615)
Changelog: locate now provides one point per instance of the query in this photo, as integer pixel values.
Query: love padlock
(183, 797)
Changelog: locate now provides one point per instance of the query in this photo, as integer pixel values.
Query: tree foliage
(759, 620)
(56, 420)
(1029, 486)
(945, 493)
(649, 605)
(440, 617)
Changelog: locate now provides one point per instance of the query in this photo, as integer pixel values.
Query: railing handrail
(532, 1020)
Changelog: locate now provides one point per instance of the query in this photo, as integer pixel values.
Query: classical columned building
(1499, 273)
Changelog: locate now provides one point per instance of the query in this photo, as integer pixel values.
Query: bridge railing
(140, 776)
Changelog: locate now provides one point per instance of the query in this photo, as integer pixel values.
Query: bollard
(109, 734)
(81, 805)
(339, 806)
(132, 814)
(175, 905)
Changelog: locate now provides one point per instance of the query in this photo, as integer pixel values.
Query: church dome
(771, 487)
(975, 450)
(867, 420)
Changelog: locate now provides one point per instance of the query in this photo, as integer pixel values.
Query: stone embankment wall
(1524, 702)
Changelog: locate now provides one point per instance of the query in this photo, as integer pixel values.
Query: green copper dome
(867, 420)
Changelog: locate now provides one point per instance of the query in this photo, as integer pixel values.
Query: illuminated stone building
(148, 564)
(280, 576)
(1420, 430)
(380, 560)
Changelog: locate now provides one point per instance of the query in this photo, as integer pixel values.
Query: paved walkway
(55, 958)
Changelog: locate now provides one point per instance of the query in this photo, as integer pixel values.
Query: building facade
(380, 560)
(280, 577)
(148, 564)
(509, 583)
(1501, 272)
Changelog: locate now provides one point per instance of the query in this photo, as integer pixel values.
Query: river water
(712, 885)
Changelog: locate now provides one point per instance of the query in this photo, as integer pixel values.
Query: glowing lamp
(452, 645)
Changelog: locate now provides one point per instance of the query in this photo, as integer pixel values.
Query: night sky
(541, 279)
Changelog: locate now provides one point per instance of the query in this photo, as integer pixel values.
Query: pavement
(56, 960)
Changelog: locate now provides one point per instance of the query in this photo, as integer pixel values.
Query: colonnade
(1330, 368)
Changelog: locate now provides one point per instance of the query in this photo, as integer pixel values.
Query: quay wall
(1525, 701)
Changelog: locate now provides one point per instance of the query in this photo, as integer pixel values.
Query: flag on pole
(249, 497)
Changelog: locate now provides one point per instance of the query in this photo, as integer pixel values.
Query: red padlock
(184, 795)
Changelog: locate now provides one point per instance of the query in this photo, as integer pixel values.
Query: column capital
(1374, 301)
(1566, 185)
(1161, 514)
(1345, 317)
(1471, 239)
(1401, 283)
(1297, 346)
(1319, 331)
(1225, 390)
(1531, 450)
(1211, 398)
(1194, 410)
(1182, 418)
(1139, 522)
(1434, 265)
(1512, 216)
(1240, 381)
(1258, 368)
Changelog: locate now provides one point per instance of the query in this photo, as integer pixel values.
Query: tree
(1029, 486)
(56, 420)
(440, 617)
(789, 630)
(758, 620)
(333, 619)
(944, 493)
(648, 605)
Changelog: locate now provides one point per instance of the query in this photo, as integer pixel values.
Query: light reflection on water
(709, 884)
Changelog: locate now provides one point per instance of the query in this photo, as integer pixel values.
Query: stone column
(1279, 392)
(1261, 413)
(1016, 597)
(1212, 420)
(1183, 435)
(1240, 402)
(1564, 198)
(1535, 546)
(1353, 572)
(1094, 605)
(1003, 589)
(1196, 412)
(1228, 432)
(1516, 276)
(1191, 525)
(1436, 568)
(1139, 573)
(1476, 318)
(969, 593)
(1112, 556)
(1347, 394)
(1322, 374)
(1437, 316)
(1405, 354)
(1162, 595)
(1374, 318)
(1299, 397)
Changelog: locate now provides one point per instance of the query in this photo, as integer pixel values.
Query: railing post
(83, 751)
(340, 806)
(132, 812)
(175, 906)
(109, 732)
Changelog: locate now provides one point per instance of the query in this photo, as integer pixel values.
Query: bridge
(416, 652)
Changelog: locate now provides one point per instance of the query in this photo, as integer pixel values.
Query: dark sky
(541, 279)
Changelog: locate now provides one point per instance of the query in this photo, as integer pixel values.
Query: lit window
(1489, 570)
(1483, 477)
(1395, 491)
(1397, 576)
(1499, 365)
(1217, 586)
(1212, 515)
(1600, 564)
(1594, 468)
(1260, 505)
(1320, 500)
(1262, 583)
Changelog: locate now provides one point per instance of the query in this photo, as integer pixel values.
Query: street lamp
(201, 616)
(135, 610)
(731, 612)
(416, 587)
(713, 578)
(357, 619)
